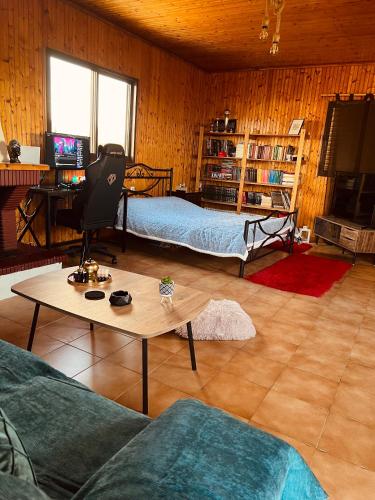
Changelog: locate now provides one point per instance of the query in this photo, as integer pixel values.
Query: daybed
(83, 446)
(173, 220)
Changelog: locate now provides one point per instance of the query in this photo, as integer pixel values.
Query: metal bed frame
(161, 181)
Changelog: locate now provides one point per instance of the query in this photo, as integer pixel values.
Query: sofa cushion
(14, 459)
(193, 451)
(68, 430)
(15, 488)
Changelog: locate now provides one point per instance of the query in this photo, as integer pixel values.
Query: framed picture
(295, 126)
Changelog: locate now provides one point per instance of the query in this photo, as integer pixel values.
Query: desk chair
(95, 206)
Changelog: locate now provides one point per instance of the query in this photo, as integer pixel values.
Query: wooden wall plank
(170, 103)
(268, 100)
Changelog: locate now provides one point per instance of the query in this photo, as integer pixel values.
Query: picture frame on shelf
(296, 126)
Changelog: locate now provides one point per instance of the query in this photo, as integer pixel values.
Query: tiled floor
(308, 377)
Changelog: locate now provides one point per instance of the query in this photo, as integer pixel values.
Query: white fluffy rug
(221, 320)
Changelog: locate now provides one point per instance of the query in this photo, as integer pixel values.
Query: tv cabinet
(345, 234)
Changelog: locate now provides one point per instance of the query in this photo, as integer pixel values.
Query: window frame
(130, 137)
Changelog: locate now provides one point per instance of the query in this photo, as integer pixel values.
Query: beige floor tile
(355, 403)
(321, 363)
(369, 323)
(176, 372)
(258, 308)
(275, 298)
(130, 356)
(108, 379)
(342, 480)
(349, 440)
(211, 283)
(337, 314)
(355, 295)
(346, 305)
(307, 451)
(363, 352)
(169, 341)
(43, 344)
(160, 397)
(360, 376)
(101, 341)
(292, 417)
(327, 345)
(261, 371)
(306, 386)
(337, 328)
(11, 331)
(63, 331)
(284, 331)
(269, 348)
(296, 318)
(233, 394)
(304, 306)
(212, 353)
(70, 360)
(240, 290)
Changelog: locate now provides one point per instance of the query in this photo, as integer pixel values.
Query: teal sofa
(84, 446)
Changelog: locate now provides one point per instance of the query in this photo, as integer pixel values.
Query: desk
(15, 179)
(144, 318)
(48, 194)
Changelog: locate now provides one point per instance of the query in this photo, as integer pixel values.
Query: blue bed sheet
(177, 221)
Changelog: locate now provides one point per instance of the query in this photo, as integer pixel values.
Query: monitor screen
(67, 151)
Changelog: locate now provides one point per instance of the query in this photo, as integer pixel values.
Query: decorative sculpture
(14, 151)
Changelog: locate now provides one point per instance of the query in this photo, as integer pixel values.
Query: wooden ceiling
(220, 35)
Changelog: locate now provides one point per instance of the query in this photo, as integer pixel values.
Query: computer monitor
(67, 152)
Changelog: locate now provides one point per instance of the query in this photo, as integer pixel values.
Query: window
(86, 100)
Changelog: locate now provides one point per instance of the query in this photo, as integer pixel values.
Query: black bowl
(120, 298)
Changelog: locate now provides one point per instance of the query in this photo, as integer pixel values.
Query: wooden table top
(145, 317)
(23, 166)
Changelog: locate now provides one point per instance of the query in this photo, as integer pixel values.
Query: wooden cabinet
(239, 185)
(345, 234)
(192, 196)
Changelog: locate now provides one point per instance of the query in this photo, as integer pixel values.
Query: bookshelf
(268, 162)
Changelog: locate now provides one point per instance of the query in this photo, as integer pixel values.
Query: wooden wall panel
(169, 104)
(269, 99)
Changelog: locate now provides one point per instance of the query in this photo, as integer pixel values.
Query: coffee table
(144, 318)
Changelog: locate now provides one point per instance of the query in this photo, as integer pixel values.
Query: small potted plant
(166, 287)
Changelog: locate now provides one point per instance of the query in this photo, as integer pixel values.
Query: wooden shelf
(227, 181)
(261, 207)
(225, 134)
(23, 166)
(271, 161)
(222, 158)
(275, 135)
(268, 184)
(218, 202)
(246, 163)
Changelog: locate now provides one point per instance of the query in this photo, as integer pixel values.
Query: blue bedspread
(173, 220)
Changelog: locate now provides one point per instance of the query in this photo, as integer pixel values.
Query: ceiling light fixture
(278, 6)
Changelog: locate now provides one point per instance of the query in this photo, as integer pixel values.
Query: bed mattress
(177, 221)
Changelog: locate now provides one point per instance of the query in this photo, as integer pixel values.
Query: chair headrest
(112, 150)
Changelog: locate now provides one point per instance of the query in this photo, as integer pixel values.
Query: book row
(275, 199)
(268, 176)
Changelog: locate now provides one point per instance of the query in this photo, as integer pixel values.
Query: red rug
(297, 248)
(304, 274)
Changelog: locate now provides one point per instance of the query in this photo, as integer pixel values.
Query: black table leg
(144, 377)
(191, 346)
(91, 326)
(33, 327)
(48, 222)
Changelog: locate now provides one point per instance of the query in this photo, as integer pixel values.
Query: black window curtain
(348, 143)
